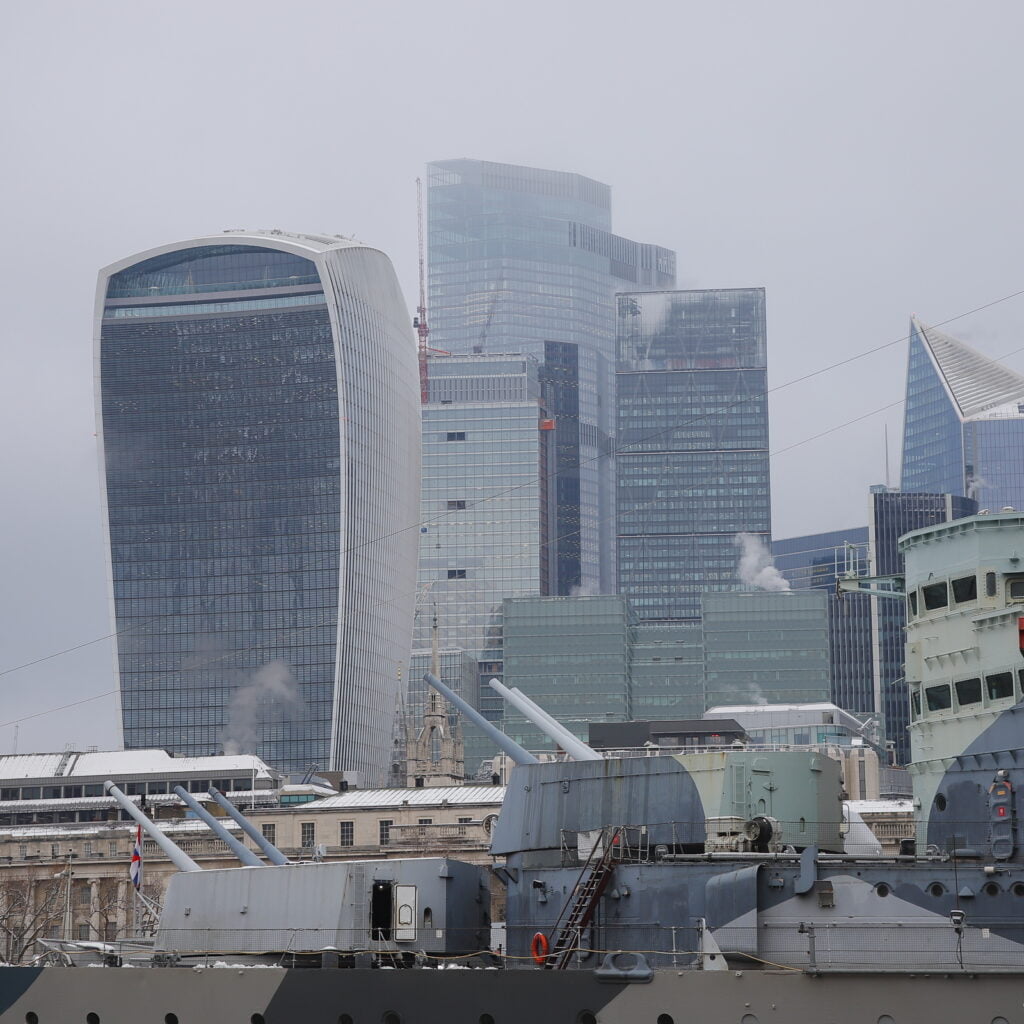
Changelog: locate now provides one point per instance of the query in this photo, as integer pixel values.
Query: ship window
(915, 700)
(990, 584)
(912, 603)
(939, 697)
(966, 589)
(935, 596)
(1000, 684)
(968, 691)
(1017, 590)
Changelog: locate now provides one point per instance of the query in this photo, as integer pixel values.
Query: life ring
(539, 947)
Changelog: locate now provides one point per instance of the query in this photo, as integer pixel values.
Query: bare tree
(30, 908)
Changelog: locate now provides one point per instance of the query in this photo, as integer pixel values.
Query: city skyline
(819, 194)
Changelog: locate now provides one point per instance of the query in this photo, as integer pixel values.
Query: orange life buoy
(539, 947)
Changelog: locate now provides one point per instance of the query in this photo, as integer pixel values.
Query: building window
(385, 831)
(456, 435)
(308, 832)
(83, 933)
(22, 851)
(87, 849)
(54, 851)
(456, 574)
(346, 833)
(269, 830)
(424, 821)
(456, 503)
(113, 849)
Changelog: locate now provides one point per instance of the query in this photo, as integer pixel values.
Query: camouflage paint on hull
(227, 996)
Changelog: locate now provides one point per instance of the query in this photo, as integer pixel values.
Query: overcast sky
(861, 161)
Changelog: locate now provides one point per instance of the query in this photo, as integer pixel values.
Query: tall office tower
(893, 514)
(572, 656)
(764, 647)
(692, 442)
(485, 512)
(963, 426)
(258, 416)
(520, 257)
(816, 562)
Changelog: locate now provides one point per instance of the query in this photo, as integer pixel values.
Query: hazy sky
(861, 161)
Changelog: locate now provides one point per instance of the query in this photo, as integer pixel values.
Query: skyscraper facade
(765, 647)
(521, 257)
(692, 444)
(258, 418)
(816, 562)
(486, 509)
(963, 427)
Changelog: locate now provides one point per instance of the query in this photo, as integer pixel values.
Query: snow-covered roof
(976, 382)
(882, 806)
(428, 796)
(121, 763)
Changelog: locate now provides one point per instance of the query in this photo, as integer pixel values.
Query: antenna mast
(420, 322)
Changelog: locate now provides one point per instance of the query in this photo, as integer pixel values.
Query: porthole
(886, 1019)
(1017, 888)
(940, 801)
(486, 1018)
(170, 1018)
(344, 1018)
(31, 1018)
(92, 1018)
(665, 1018)
(936, 889)
(390, 1017)
(883, 889)
(585, 1017)
(257, 1018)
(991, 889)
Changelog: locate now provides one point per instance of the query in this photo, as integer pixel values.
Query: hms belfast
(714, 886)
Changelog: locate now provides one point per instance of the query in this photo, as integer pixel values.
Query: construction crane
(420, 320)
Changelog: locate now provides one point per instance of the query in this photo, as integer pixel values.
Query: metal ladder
(583, 899)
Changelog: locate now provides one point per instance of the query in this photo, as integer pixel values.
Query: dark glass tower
(522, 257)
(963, 428)
(259, 423)
(692, 444)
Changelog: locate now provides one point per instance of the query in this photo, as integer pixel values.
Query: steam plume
(756, 568)
(271, 693)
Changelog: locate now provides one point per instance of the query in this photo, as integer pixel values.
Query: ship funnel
(181, 860)
(273, 854)
(555, 731)
(240, 850)
(505, 743)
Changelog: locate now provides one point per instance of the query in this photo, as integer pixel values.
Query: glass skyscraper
(816, 562)
(763, 647)
(258, 417)
(963, 427)
(692, 455)
(523, 260)
(486, 508)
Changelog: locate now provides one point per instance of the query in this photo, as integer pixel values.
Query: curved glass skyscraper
(258, 415)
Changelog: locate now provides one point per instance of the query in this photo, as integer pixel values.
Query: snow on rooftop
(119, 763)
(428, 796)
(882, 806)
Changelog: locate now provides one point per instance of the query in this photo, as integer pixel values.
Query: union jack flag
(135, 868)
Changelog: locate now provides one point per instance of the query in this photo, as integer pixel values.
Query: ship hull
(55, 995)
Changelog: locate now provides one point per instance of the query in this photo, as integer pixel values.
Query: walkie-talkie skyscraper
(259, 420)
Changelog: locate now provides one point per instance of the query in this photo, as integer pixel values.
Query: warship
(723, 885)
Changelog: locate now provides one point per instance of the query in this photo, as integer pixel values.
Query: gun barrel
(273, 854)
(178, 857)
(240, 850)
(506, 743)
(549, 726)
